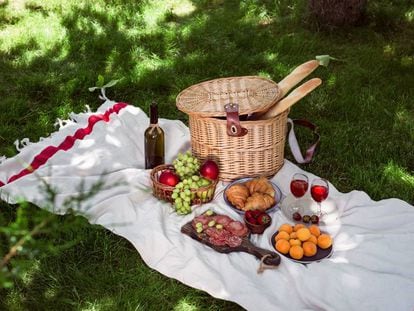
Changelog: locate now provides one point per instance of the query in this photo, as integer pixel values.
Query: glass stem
(295, 205)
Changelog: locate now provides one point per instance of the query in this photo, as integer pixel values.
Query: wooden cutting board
(272, 259)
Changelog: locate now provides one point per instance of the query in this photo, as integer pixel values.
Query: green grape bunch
(186, 165)
(187, 168)
(183, 195)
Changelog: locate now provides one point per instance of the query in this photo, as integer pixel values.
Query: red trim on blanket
(67, 143)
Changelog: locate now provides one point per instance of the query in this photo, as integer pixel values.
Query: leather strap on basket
(293, 142)
(233, 121)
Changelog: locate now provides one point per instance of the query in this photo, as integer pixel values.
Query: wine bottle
(154, 140)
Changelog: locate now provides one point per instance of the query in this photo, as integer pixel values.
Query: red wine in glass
(298, 186)
(319, 192)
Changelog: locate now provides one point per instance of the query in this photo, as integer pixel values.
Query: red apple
(209, 170)
(169, 178)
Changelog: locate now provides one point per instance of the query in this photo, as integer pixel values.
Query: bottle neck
(153, 113)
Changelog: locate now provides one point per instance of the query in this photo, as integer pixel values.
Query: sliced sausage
(234, 241)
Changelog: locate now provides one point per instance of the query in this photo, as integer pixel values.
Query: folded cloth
(370, 268)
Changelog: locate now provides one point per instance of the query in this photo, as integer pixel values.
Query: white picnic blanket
(371, 267)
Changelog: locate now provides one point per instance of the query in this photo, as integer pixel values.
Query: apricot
(313, 239)
(286, 227)
(282, 235)
(303, 234)
(324, 241)
(293, 235)
(296, 252)
(282, 246)
(298, 226)
(314, 229)
(295, 242)
(309, 248)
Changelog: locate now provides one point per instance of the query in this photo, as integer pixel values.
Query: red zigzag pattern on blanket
(67, 143)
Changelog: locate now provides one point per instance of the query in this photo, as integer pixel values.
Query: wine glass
(298, 186)
(319, 192)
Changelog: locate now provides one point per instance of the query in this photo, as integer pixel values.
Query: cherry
(296, 216)
(314, 219)
(306, 219)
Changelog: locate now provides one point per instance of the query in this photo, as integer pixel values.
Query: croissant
(237, 195)
(259, 201)
(261, 185)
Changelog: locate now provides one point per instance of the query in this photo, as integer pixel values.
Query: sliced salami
(237, 228)
(230, 233)
(211, 232)
(222, 219)
(202, 218)
(217, 242)
(217, 237)
(244, 232)
(217, 233)
(234, 226)
(234, 241)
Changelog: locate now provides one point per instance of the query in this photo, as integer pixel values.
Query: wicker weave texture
(164, 192)
(251, 93)
(260, 152)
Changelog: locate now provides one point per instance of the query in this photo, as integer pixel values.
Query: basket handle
(233, 121)
(293, 142)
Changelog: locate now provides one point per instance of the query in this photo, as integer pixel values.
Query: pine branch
(15, 248)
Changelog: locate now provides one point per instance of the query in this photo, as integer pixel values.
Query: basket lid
(251, 93)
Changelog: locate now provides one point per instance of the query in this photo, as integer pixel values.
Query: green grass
(51, 51)
(102, 272)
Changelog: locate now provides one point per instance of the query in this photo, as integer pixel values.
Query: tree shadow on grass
(57, 77)
(104, 272)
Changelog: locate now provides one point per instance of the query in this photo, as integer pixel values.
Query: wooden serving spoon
(297, 75)
(290, 81)
(296, 95)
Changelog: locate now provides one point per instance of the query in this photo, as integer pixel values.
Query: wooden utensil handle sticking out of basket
(297, 75)
(291, 99)
(290, 81)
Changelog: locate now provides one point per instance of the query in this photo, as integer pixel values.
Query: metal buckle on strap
(233, 121)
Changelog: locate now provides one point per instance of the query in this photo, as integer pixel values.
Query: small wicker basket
(164, 192)
(256, 229)
(261, 150)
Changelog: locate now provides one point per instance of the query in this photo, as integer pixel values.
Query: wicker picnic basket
(240, 147)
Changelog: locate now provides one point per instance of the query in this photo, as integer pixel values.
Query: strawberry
(263, 219)
(250, 217)
(255, 213)
(251, 220)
